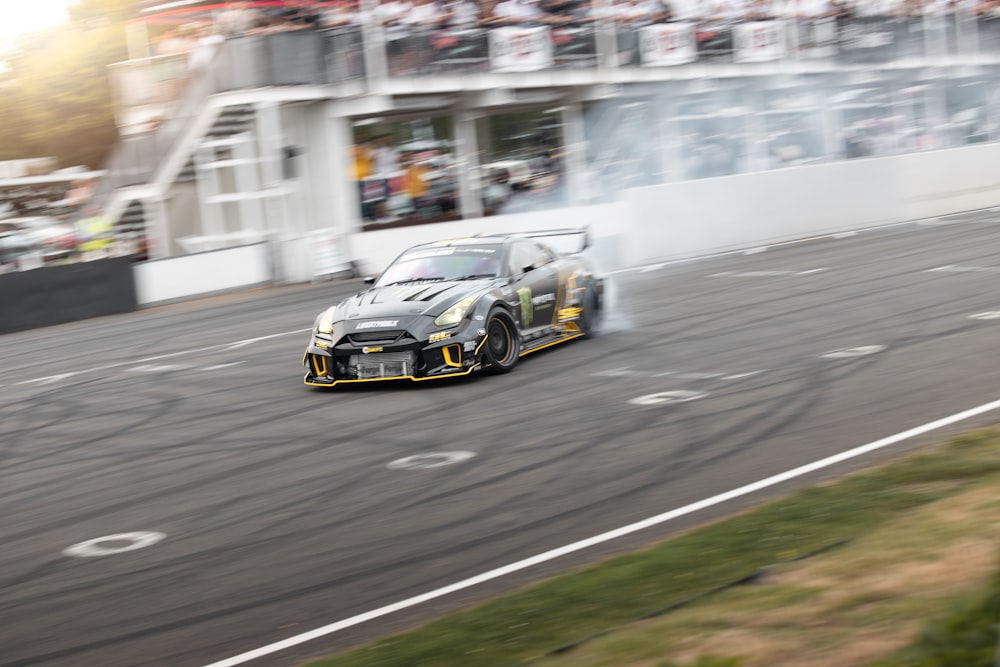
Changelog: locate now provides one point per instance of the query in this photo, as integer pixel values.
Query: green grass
(528, 624)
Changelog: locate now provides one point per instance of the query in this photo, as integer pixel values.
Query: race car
(451, 308)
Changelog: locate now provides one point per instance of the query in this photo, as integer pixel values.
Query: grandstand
(281, 121)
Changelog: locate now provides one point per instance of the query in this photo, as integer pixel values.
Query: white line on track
(145, 360)
(605, 537)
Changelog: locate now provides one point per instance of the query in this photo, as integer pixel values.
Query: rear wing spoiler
(583, 234)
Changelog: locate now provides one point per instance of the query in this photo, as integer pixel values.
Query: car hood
(424, 298)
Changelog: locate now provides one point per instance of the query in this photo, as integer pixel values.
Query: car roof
(496, 239)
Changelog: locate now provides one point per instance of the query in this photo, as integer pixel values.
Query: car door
(536, 282)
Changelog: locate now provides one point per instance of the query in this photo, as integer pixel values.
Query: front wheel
(503, 343)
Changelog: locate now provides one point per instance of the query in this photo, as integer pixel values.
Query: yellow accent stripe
(481, 343)
(555, 342)
(306, 381)
(560, 296)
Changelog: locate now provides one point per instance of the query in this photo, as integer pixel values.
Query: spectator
(515, 12)
(589, 11)
(688, 10)
(361, 157)
(803, 9)
(636, 12)
(205, 48)
(763, 10)
(339, 14)
(879, 8)
(424, 14)
(237, 18)
(841, 9)
(385, 163)
(175, 42)
(461, 14)
(392, 12)
(416, 184)
(727, 10)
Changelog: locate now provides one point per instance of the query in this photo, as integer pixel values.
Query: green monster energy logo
(527, 309)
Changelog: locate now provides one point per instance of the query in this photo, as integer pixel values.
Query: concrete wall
(692, 218)
(942, 182)
(65, 293)
(201, 274)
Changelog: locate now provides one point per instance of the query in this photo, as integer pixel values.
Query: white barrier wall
(201, 274)
(693, 218)
(950, 181)
(655, 223)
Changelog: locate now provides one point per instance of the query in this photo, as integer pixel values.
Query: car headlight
(324, 324)
(454, 315)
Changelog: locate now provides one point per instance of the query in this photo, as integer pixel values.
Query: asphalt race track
(281, 508)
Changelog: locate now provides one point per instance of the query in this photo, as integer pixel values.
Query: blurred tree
(56, 98)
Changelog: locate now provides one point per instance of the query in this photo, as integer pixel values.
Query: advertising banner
(759, 41)
(667, 44)
(874, 38)
(514, 49)
(328, 253)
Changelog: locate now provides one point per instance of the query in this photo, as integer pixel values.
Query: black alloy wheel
(503, 342)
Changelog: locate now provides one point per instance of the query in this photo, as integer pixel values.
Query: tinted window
(528, 253)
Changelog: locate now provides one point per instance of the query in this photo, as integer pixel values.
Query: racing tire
(503, 343)
(590, 318)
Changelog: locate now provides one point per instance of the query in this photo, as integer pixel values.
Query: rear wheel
(590, 318)
(503, 343)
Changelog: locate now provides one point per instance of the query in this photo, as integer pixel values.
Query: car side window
(546, 256)
(519, 258)
(525, 253)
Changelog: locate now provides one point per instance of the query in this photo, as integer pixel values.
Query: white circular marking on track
(850, 352)
(989, 315)
(668, 397)
(92, 548)
(429, 460)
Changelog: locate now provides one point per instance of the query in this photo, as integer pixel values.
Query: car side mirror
(369, 280)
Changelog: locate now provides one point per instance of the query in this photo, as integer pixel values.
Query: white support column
(247, 181)
(575, 143)
(342, 196)
(470, 200)
(376, 66)
(268, 121)
(269, 142)
(207, 185)
(606, 37)
(938, 111)
(157, 228)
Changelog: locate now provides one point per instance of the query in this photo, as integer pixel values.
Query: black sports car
(449, 308)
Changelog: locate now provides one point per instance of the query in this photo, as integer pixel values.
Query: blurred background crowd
(248, 17)
(407, 169)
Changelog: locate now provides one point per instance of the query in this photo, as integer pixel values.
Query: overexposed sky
(20, 16)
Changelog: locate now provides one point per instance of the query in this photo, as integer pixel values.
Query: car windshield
(442, 264)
